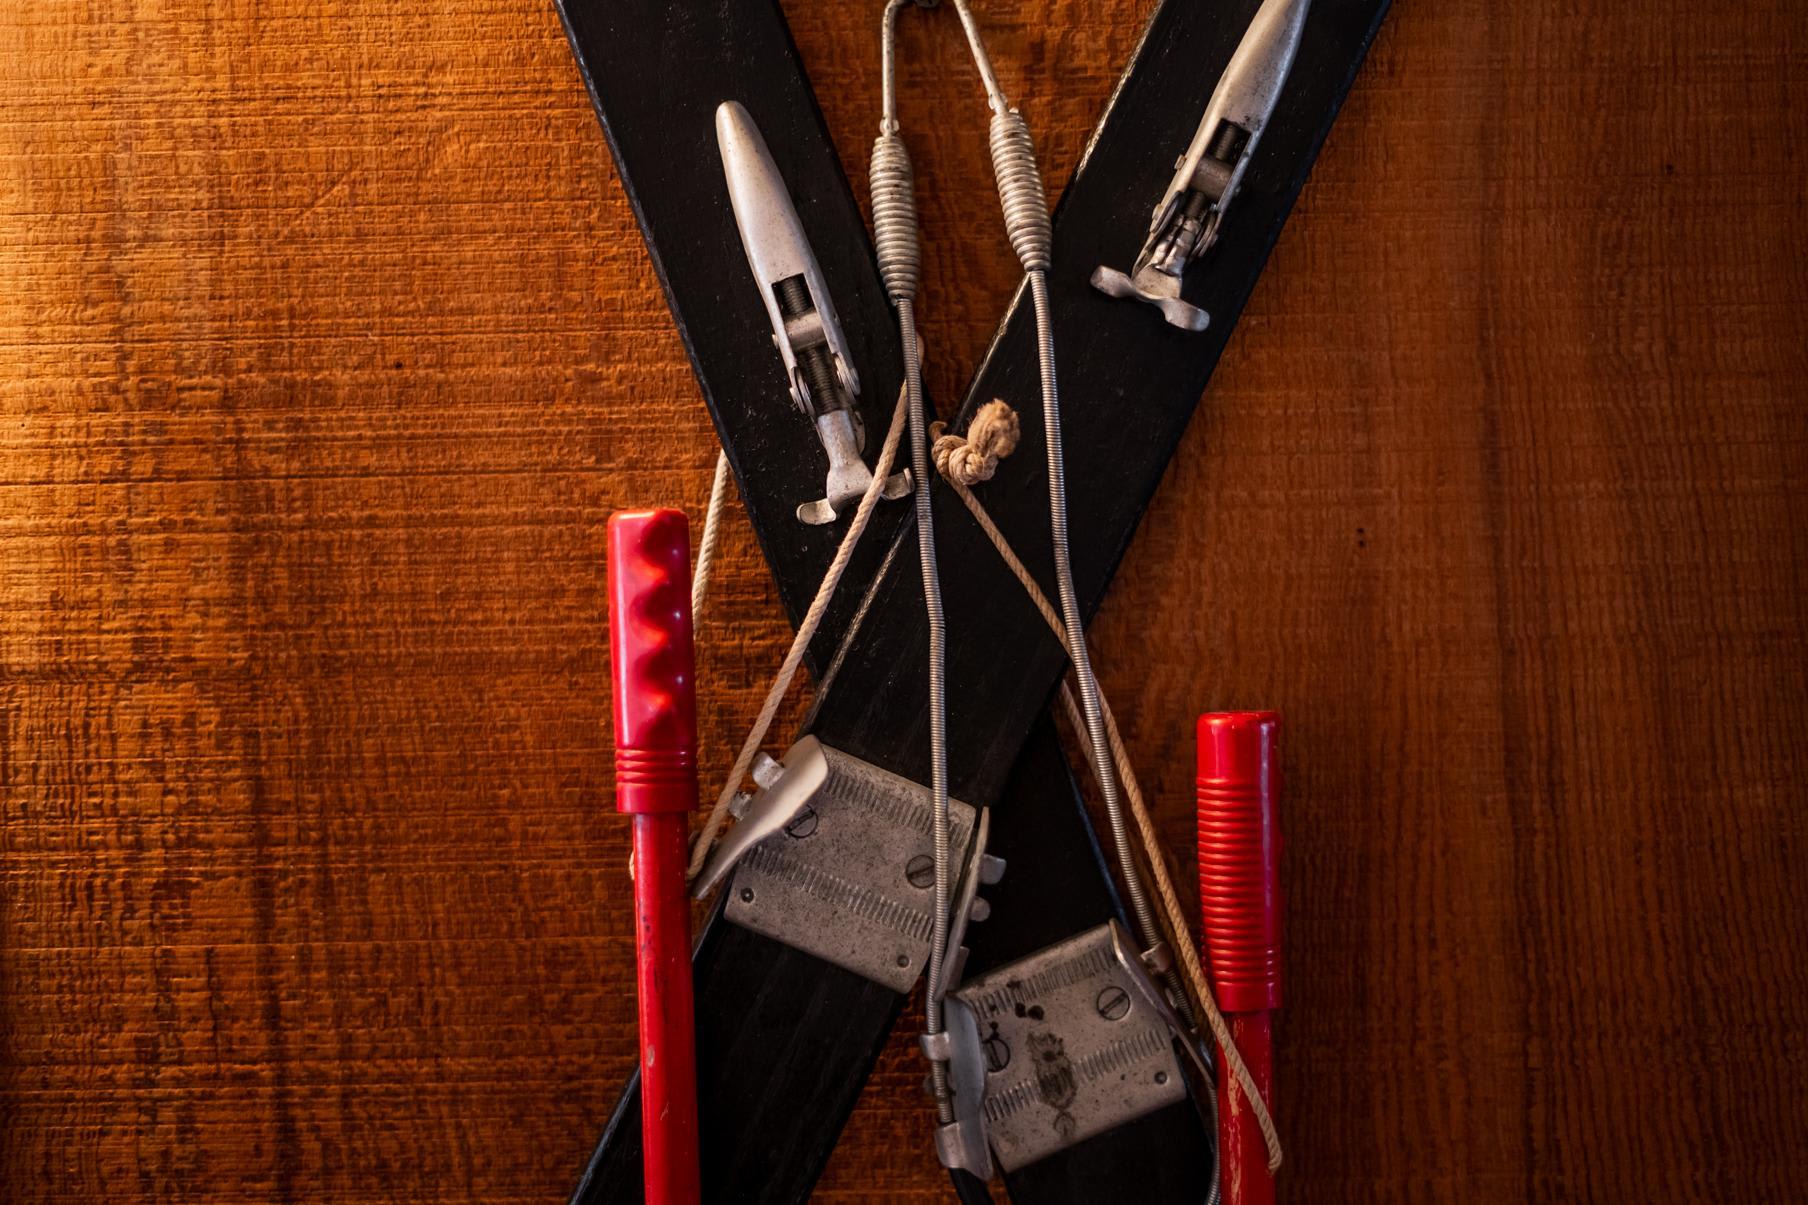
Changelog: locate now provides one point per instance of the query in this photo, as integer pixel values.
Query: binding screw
(998, 1052)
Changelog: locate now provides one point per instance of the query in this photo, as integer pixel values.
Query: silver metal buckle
(1076, 1039)
(835, 857)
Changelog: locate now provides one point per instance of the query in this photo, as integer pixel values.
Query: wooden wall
(327, 343)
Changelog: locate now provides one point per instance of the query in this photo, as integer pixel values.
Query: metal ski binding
(805, 329)
(835, 857)
(1187, 219)
(1069, 1042)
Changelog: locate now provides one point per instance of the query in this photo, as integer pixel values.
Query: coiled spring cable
(1031, 233)
(900, 258)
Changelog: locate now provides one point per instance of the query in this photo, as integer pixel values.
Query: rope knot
(974, 457)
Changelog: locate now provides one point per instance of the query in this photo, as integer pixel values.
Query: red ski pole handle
(654, 663)
(1239, 783)
(654, 667)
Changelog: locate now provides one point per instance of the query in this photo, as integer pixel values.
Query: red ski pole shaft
(656, 782)
(1239, 785)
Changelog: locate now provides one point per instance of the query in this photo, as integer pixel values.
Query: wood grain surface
(328, 344)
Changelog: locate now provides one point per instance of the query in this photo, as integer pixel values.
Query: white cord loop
(711, 538)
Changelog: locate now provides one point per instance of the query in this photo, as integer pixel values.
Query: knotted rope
(974, 457)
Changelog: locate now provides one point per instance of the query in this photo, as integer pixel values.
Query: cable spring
(895, 217)
(1020, 190)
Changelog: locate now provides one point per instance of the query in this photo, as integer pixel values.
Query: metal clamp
(1206, 177)
(967, 906)
(1076, 1039)
(818, 367)
(835, 857)
(962, 1142)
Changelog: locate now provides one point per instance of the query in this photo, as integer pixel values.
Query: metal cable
(888, 53)
(1090, 706)
(896, 241)
(1030, 230)
(938, 696)
(982, 60)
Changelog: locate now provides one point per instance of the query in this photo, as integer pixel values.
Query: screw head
(1161, 1077)
(1113, 1003)
(920, 871)
(747, 895)
(998, 1052)
(903, 960)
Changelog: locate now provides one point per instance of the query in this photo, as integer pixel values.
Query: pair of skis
(785, 1039)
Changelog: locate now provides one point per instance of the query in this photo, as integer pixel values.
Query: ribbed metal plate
(849, 880)
(1072, 1048)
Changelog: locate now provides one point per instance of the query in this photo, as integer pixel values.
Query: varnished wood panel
(329, 343)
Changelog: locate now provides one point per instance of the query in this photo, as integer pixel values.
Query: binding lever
(1207, 176)
(805, 329)
(835, 857)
